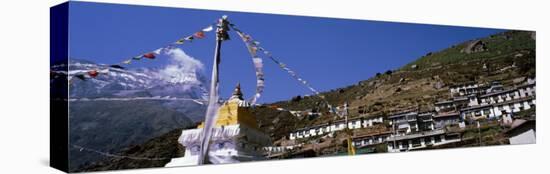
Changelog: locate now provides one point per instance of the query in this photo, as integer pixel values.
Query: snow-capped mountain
(121, 107)
(127, 83)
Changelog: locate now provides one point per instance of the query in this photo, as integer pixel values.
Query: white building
(448, 118)
(466, 89)
(404, 123)
(496, 110)
(420, 140)
(323, 129)
(370, 139)
(522, 132)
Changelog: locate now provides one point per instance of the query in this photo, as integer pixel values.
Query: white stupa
(235, 138)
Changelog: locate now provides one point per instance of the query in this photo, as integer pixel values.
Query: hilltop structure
(235, 138)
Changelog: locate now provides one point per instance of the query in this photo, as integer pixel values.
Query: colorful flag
(92, 73)
(199, 34)
(179, 42)
(208, 29)
(127, 61)
(149, 55)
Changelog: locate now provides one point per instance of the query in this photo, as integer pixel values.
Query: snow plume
(182, 68)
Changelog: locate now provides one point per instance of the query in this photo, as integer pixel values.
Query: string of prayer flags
(150, 55)
(248, 39)
(289, 71)
(258, 66)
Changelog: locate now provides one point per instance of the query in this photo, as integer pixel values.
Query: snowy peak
(179, 80)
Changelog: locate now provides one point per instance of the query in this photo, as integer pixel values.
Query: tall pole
(479, 133)
(212, 111)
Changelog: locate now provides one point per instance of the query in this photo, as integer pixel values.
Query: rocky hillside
(501, 57)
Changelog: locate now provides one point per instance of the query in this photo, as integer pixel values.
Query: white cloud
(182, 68)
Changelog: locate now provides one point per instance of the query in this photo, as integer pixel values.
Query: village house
(420, 140)
(466, 89)
(454, 104)
(425, 121)
(404, 123)
(495, 87)
(446, 118)
(445, 106)
(477, 112)
(370, 139)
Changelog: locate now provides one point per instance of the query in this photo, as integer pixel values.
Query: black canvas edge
(59, 55)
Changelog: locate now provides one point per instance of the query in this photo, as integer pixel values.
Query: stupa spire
(237, 92)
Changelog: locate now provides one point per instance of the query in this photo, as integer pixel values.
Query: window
(486, 111)
(437, 139)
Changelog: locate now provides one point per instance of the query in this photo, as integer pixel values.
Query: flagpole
(211, 112)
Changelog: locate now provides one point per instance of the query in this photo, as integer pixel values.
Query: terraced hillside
(501, 57)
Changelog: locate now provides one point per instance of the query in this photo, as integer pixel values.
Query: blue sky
(328, 53)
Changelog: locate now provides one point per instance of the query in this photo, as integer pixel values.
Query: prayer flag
(117, 66)
(92, 73)
(199, 34)
(179, 42)
(149, 56)
(208, 29)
